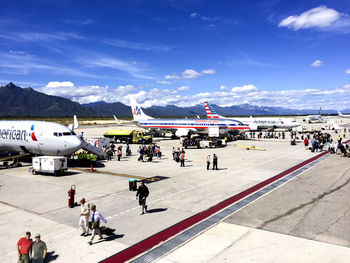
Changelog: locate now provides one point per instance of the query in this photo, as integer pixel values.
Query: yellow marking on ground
(110, 173)
(250, 147)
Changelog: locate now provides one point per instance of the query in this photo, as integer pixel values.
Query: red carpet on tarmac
(152, 241)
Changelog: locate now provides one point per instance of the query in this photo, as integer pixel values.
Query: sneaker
(90, 243)
(82, 234)
(100, 238)
(86, 234)
(142, 213)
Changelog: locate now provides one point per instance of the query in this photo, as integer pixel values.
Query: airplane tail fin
(211, 113)
(136, 110)
(75, 124)
(116, 120)
(340, 114)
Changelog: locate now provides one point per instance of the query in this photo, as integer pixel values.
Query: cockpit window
(55, 134)
(66, 134)
(60, 134)
(73, 133)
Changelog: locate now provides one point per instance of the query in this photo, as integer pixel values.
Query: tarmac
(304, 219)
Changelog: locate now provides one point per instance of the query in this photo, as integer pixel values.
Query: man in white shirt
(96, 217)
(84, 217)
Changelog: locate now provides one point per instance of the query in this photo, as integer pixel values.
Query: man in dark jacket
(142, 193)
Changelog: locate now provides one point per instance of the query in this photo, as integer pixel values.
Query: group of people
(112, 150)
(215, 161)
(149, 151)
(29, 251)
(179, 156)
(268, 135)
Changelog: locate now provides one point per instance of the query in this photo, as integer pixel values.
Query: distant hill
(16, 101)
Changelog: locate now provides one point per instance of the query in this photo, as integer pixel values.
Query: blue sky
(293, 54)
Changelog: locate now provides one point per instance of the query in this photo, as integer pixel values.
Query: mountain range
(22, 102)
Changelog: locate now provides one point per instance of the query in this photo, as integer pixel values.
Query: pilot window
(66, 134)
(73, 133)
(55, 134)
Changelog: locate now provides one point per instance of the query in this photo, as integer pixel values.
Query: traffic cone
(258, 139)
(92, 169)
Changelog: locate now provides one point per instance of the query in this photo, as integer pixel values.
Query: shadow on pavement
(50, 256)
(156, 210)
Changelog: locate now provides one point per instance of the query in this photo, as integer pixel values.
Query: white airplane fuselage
(199, 126)
(38, 137)
(270, 123)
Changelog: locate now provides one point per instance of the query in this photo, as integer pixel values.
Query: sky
(287, 53)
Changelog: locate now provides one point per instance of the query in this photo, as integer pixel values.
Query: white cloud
(318, 17)
(56, 84)
(244, 88)
(193, 14)
(347, 71)
(296, 99)
(317, 63)
(163, 82)
(209, 71)
(184, 88)
(191, 74)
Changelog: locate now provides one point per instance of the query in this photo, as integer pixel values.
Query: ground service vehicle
(128, 136)
(49, 164)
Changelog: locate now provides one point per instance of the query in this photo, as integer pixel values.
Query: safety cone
(92, 169)
(258, 139)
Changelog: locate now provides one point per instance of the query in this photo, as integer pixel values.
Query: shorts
(142, 201)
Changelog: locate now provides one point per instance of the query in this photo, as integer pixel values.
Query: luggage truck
(214, 138)
(128, 136)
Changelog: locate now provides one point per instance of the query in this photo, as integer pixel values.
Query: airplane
(38, 137)
(256, 123)
(315, 118)
(185, 127)
(116, 120)
(342, 115)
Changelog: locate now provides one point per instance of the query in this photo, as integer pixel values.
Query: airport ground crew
(207, 159)
(142, 193)
(94, 159)
(215, 162)
(24, 248)
(39, 250)
(84, 217)
(96, 217)
(182, 159)
(119, 153)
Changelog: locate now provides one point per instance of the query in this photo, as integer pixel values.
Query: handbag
(95, 225)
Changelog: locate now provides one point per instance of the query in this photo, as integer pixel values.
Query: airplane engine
(183, 133)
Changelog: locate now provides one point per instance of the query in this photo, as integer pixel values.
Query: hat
(28, 233)
(37, 235)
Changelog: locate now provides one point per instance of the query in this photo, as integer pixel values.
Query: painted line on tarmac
(205, 219)
(110, 173)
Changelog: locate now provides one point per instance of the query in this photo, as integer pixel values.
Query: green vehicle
(128, 136)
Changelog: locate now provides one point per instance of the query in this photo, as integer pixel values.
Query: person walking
(39, 250)
(84, 217)
(96, 217)
(215, 162)
(24, 248)
(119, 153)
(142, 193)
(182, 159)
(207, 159)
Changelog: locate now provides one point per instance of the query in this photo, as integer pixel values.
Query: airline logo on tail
(211, 114)
(137, 111)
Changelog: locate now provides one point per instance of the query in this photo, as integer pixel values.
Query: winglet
(116, 120)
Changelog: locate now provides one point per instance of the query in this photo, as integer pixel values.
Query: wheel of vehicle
(34, 172)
